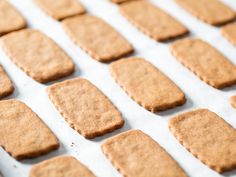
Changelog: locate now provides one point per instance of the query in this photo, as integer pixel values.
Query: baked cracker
(22, 133)
(97, 38)
(135, 154)
(208, 137)
(6, 86)
(229, 32)
(61, 166)
(152, 20)
(213, 12)
(61, 9)
(11, 19)
(233, 101)
(85, 107)
(148, 86)
(37, 55)
(205, 61)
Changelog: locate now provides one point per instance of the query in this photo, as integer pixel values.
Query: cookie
(22, 133)
(148, 86)
(233, 101)
(85, 107)
(136, 154)
(8, 15)
(208, 137)
(61, 9)
(61, 166)
(213, 12)
(205, 61)
(97, 38)
(37, 55)
(6, 86)
(120, 1)
(152, 21)
(229, 32)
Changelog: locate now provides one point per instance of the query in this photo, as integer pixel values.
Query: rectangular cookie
(151, 20)
(6, 86)
(229, 32)
(233, 101)
(61, 166)
(8, 15)
(22, 133)
(37, 55)
(148, 86)
(61, 9)
(85, 107)
(208, 137)
(120, 1)
(212, 12)
(135, 154)
(97, 38)
(205, 61)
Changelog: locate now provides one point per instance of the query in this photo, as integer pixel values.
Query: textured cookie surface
(229, 32)
(61, 9)
(8, 15)
(151, 20)
(120, 1)
(208, 137)
(37, 55)
(6, 86)
(233, 101)
(136, 154)
(205, 61)
(62, 166)
(22, 133)
(97, 38)
(146, 84)
(84, 107)
(212, 12)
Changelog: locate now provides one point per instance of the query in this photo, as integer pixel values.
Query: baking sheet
(199, 94)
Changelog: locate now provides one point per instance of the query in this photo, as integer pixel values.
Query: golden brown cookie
(6, 86)
(22, 133)
(208, 137)
(148, 86)
(37, 55)
(85, 107)
(11, 19)
(229, 32)
(205, 61)
(212, 12)
(61, 9)
(120, 1)
(62, 166)
(233, 101)
(152, 21)
(136, 154)
(97, 38)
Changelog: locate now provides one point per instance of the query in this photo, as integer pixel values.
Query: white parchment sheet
(199, 94)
